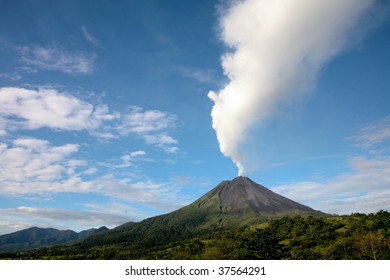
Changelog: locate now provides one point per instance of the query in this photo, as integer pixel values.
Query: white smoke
(277, 49)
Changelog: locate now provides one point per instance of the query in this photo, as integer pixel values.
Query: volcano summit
(242, 195)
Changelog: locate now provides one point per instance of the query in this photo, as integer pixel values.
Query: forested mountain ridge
(36, 237)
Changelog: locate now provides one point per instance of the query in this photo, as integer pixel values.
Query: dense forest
(356, 236)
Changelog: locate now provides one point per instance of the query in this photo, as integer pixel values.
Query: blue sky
(105, 110)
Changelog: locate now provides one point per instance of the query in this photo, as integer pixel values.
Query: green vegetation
(34, 237)
(357, 236)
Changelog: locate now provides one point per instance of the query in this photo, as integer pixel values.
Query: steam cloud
(277, 48)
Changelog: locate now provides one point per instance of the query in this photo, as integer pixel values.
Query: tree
(262, 244)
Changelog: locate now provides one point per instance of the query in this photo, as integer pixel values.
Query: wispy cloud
(54, 58)
(89, 37)
(162, 140)
(10, 76)
(204, 76)
(129, 190)
(71, 215)
(152, 126)
(130, 158)
(364, 189)
(149, 121)
(125, 161)
(140, 192)
(25, 217)
(372, 134)
(137, 154)
(170, 149)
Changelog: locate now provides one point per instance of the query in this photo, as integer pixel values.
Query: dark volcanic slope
(243, 195)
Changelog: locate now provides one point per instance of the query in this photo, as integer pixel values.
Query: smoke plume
(276, 50)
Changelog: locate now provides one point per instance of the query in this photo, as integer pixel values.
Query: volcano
(242, 195)
(235, 203)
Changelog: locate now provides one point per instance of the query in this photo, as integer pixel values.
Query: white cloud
(33, 109)
(137, 154)
(277, 49)
(364, 189)
(34, 166)
(34, 169)
(374, 133)
(160, 139)
(171, 150)
(149, 121)
(31, 167)
(164, 141)
(152, 126)
(91, 171)
(35, 58)
(128, 159)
